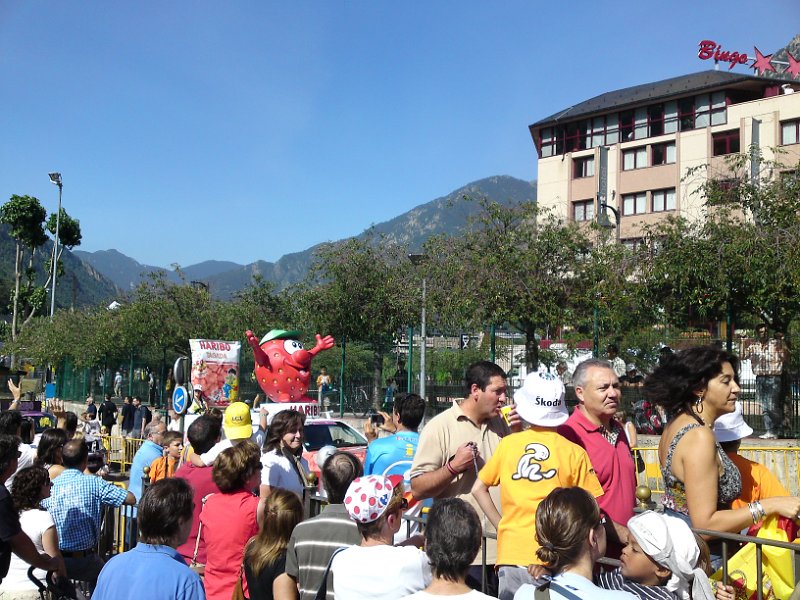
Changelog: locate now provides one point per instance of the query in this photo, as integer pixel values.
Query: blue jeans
(769, 394)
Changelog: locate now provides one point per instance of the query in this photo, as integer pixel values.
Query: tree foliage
(517, 266)
(26, 217)
(361, 290)
(743, 258)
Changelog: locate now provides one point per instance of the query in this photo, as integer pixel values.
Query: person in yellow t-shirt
(527, 466)
(758, 482)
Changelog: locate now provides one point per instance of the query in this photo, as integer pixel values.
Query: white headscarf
(670, 542)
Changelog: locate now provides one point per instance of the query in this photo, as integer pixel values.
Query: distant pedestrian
(118, 384)
(108, 413)
(128, 412)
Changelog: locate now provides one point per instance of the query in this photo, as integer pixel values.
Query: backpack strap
(322, 592)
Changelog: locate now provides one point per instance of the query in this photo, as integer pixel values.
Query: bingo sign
(180, 400)
(758, 61)
(215, 367)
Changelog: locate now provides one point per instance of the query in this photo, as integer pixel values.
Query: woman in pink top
(231, 518)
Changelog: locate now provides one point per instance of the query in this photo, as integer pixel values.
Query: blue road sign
(180, 398)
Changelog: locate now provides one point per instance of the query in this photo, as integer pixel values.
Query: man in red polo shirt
(592, 426)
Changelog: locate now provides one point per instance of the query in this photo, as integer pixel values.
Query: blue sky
(188, 131)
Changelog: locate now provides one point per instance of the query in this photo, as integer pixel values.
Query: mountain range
(105, 275)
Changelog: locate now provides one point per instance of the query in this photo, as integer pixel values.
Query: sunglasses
(603, 520)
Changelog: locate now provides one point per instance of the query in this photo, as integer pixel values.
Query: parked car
(331, 432)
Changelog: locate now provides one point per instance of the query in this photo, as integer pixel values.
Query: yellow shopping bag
(777, 567)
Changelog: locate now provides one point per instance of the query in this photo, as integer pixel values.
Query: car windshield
(339, 435)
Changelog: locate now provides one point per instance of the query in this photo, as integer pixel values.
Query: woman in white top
(31, 486)
(571, 532)
(283, 462)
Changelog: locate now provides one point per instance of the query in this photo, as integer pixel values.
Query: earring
(699, 404)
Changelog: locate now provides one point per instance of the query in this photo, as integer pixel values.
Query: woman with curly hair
(284, 465)
(48, 453)
(696, 386)
(31, 486)
(265, 556)
(231, 518)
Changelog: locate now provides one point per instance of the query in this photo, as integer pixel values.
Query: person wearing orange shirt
(165, 466)
(758, 482)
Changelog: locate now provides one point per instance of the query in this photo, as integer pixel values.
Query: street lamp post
(417, 259)
(605, 222)
(55, 179)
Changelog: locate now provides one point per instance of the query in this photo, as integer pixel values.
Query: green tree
(361, 290)
(517, 266)
(743, 257)
(26, 217)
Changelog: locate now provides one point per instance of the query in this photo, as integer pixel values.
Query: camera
(377, 420)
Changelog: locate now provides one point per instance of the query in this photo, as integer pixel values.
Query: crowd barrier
(119, 533)
(120, 450)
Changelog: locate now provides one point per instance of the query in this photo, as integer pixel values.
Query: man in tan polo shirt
(454, 446)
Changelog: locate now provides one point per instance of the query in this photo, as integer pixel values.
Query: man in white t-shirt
(377, 570)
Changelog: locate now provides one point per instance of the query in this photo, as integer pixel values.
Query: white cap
(670, 542)
(732, 426)
(540, 400)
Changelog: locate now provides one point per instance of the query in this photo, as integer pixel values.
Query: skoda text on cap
(540, 400)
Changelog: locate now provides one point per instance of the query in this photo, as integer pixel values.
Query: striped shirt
(613, 580)
(312, 544)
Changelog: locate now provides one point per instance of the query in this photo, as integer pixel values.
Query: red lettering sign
(710, 49)
(204, 345)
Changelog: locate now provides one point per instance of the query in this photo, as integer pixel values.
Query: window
(662, 154)
(725, 142)
(633, 244)
(583, 167)
(790, 132)
(634, 204)
(663, 200)
(702, 111)
(655, 119)
(548, 142)
(671, 117)
(583, 210)
(635, 158)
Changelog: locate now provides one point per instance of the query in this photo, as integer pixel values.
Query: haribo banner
(215, 367)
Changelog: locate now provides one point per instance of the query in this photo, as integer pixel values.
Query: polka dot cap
(367, 498)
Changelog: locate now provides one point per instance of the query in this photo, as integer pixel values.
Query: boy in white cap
(662, 560)
(376, 569)
(758, 482)
(527, 466)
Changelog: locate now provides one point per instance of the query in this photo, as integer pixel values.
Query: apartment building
(632, 148)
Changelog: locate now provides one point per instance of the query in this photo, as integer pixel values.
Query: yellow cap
(238, 424)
